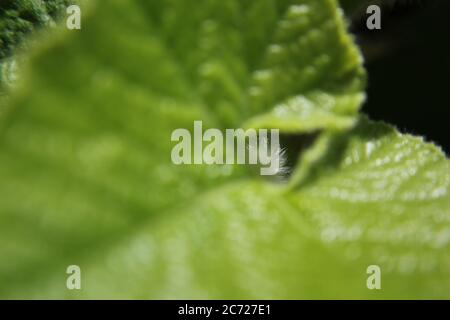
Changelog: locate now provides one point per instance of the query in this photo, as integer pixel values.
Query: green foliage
(18, 19)
(86, 176)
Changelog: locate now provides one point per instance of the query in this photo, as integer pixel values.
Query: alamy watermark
(73, 21)
(374, 279)
(73, 281)
(235, 146)
(374, 20)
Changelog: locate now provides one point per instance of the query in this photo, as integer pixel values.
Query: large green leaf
(86, 176)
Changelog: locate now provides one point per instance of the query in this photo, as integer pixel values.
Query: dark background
(408, 63)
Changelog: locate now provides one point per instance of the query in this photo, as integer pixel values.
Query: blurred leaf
(86, 176)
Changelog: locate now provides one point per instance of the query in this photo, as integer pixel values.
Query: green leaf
(86, 176)
(18, 20)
